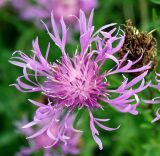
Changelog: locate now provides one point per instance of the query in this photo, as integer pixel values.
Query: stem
(128, 10)
(144, 13)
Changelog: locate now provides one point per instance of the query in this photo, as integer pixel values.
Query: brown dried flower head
(138, 43)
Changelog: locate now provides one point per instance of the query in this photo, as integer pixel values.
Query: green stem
(143, 6)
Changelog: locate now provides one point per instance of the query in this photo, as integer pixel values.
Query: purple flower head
(41, 9)
(78, 81)
(45, 138)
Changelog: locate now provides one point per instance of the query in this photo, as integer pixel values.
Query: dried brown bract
(137, 44)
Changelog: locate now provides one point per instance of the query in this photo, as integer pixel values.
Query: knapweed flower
(155, 100)
(42, 140)
(41, 9)
(139, 44)
(79, 81)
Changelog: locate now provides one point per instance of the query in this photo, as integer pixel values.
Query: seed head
(139, 44)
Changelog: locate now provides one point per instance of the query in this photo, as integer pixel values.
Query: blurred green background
(136, 136)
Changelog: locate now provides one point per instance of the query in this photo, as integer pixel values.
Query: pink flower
(49, 138)
(78, 81)
(2, 2)
(155, 100)
(42, 9)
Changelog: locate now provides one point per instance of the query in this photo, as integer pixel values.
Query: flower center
(80, 87)
(68, 2)
(77, 82)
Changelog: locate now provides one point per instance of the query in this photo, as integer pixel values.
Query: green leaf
(79, 115)
(156, 20)
(155, 1)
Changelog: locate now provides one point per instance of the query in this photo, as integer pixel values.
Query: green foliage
(155, 1)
